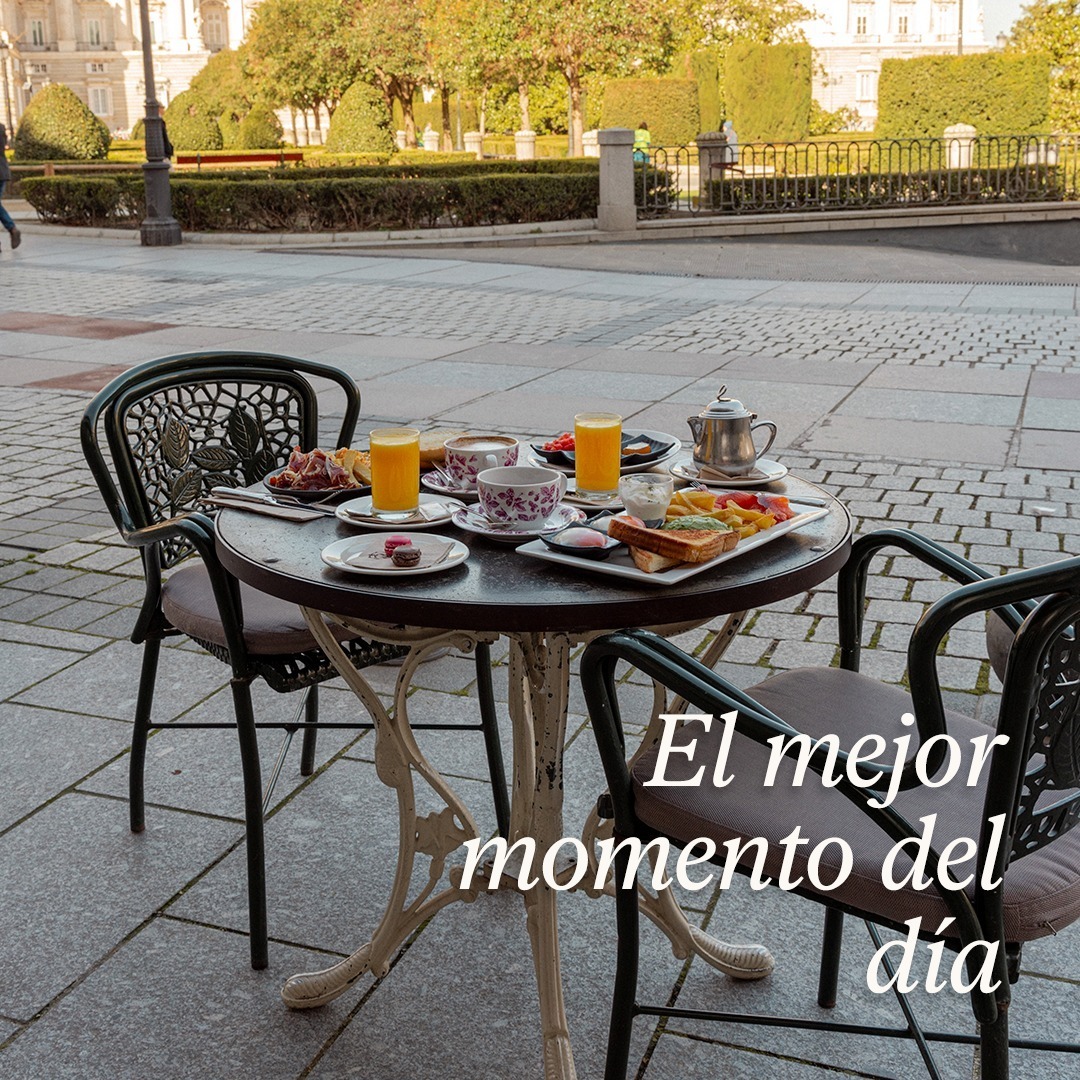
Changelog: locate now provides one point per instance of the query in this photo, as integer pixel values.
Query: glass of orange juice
(597, 454)
(395, 471)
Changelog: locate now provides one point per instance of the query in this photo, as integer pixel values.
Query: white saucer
(772, 470)
(433, 482)
(358, 512)
(473, 521)
(338, 553)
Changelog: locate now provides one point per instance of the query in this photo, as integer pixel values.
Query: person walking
(642, 142)
(5, 176)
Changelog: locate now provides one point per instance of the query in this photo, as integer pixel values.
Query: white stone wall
(94, 46)
(852, 37)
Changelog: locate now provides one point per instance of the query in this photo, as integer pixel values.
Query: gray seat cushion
(272, 627)
(1042, 890)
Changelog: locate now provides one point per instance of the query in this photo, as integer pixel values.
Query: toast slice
(431, 444)
(684, 545)
(650, 562)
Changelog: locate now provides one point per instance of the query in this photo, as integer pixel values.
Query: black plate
(333, 495)
(566, 457)
(584, 553)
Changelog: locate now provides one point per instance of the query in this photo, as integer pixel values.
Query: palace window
(215, 30)
(100, 103)
(866, 85)
(37, 31)
(860, 25)
(902, 24)
(93, 31)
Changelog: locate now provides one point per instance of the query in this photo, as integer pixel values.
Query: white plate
(432, 482)
(614, 503)
(472, 521)
(338, 553)
(620, 564)
(773, 470)
(644, 466)
(358, 512)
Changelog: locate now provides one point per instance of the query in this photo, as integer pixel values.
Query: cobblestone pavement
(951, 409)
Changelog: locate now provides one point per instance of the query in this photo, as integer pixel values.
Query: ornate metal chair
(1033, 781)
(174, 428)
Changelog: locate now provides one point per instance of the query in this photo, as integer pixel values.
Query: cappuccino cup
(469, 455)
(521, 497)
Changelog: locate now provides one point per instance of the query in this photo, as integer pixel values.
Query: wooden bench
(278, 157)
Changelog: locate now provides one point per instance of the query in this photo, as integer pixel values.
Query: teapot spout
(696, 427)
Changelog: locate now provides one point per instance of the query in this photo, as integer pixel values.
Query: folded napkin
(431, 553)
(707, 472)
(286, 513)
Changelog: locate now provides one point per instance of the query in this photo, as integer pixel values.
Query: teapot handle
(772, 435)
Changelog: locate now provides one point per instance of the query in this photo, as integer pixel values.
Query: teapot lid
(724, 408)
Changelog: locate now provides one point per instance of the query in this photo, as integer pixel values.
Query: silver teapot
(723, 436)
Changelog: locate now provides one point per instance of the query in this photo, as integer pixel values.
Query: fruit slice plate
(621, 565)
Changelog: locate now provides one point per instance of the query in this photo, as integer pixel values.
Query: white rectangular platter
(619, 563)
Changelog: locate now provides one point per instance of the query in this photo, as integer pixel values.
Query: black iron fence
(859, 174)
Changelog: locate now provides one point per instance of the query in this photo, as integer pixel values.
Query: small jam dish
(569, 542)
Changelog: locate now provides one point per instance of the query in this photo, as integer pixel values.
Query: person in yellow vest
(642, 142)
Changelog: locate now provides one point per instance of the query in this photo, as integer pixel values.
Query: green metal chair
(173, 429)
(1033, 780)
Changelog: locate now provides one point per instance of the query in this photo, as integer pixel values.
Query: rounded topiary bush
(230, 130)
(190, 125)
(360, 122)
(58, 126)
(259, 130)
(138, 130)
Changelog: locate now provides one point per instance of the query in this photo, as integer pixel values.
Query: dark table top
(500, 590)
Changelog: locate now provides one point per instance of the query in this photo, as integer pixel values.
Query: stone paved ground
(952, 409)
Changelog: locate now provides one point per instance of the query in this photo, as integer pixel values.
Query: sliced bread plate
(620, 564)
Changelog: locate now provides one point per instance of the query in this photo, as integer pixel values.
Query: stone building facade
(852, 37)
(94, 46)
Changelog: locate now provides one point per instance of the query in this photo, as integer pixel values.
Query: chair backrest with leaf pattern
(179, 426)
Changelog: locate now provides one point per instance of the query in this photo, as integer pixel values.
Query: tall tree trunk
(523, 105)
(446, 137)
(483, 112)
(408, 120)
(318, 120)
(577, 120)
(295, 133)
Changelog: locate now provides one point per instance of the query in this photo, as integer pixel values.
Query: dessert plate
(621, 564)
(473, 521)
(364, 555)
(768, 470)
(433, 510)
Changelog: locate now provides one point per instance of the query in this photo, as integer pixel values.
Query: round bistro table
(545, 610)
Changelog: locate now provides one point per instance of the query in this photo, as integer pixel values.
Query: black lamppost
(159, 228)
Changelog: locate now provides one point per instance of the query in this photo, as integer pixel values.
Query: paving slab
(46, 752)
(930, 404)
(191, 985)
(1048, 449)
(962, 443)
(1054, 414)
(949, 380)
(23, 665)
(77, 881)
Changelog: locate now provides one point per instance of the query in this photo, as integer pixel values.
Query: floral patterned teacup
(469, 455)
(521, 497)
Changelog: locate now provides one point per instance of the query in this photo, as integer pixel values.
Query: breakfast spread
(691, 540)
(321, 470)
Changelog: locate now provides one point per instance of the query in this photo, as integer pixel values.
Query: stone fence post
(525, 145)
(474, 144)
(399, 139)
(959, 140)
(430, 139)
(617, 211)
(590, 145)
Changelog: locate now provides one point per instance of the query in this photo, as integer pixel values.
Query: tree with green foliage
(297, 54)
(1052, 28)
(58, 126)
(768, 91)
(225, 85)
(361, 122)
(386, 38)
(191, 123)
(601, 38)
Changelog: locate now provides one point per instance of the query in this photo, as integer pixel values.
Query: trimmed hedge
(704, 70)
(190, 124)
(997, 94)
(259, 130)
(466, 166)
(57, 125)
(321, 204)
(668, 106)
(360, 122)
(933, 187)
(768, 93)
